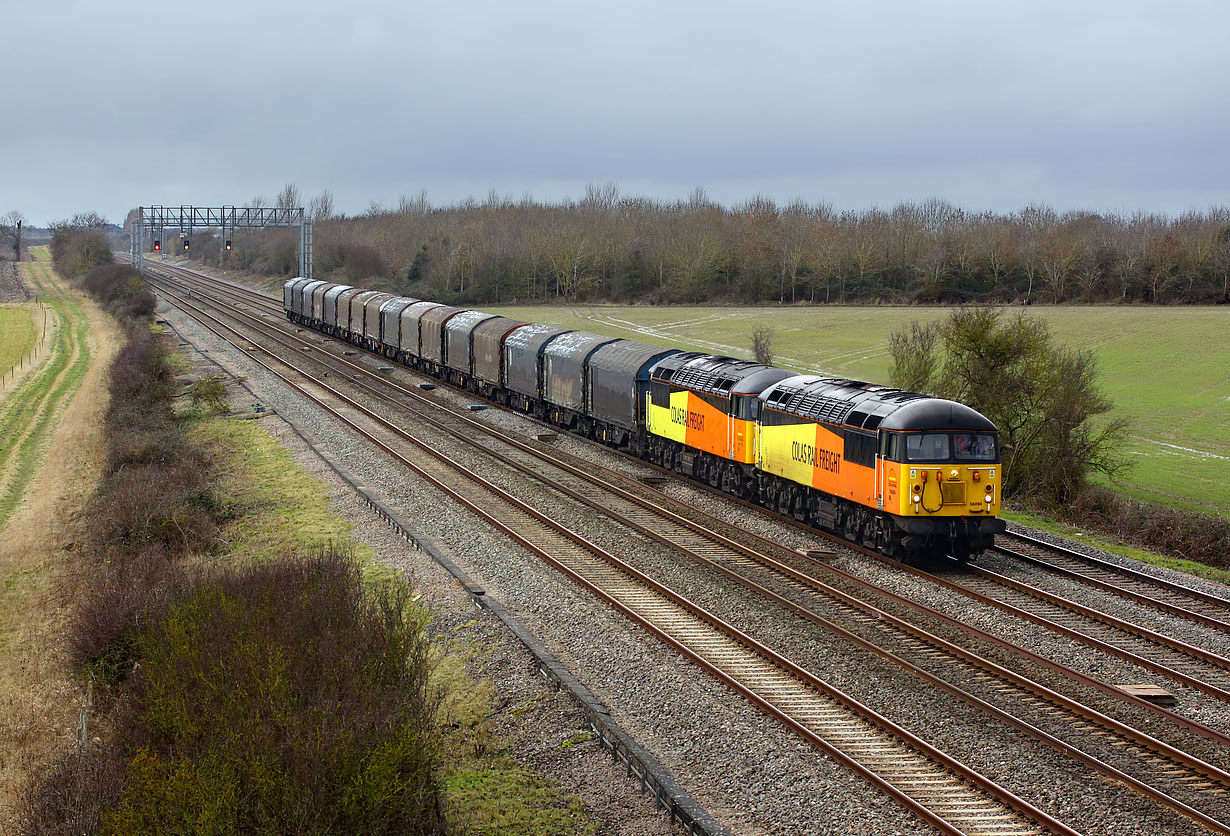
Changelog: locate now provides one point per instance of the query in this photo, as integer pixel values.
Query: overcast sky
(1111, 106)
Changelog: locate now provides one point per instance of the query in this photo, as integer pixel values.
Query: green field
(1166, 369)
(29, 413)
(17, 336)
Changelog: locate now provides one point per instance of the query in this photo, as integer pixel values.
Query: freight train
(912, 476)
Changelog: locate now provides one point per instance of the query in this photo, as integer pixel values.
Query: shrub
(157, 504)
(1186, 534)
(1041, 398)
(285, 697)
(70, 796)
(133, 588)
(362, 261)
(77, 250)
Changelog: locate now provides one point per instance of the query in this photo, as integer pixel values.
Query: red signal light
(157, 246)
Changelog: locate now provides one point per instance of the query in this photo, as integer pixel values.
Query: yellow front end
(941, 490)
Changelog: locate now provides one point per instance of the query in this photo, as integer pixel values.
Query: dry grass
(39, 702)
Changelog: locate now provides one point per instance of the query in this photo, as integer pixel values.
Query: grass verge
(274, 507)
(39, 703)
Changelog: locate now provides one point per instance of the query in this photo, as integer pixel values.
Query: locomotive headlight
(955, 473)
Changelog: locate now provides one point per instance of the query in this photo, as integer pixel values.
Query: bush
(1185, 534)
(162, 504)
(1041, 398)
(132, 589)
(122, 291)
(286, 698)
(69, 799)
(76, 250)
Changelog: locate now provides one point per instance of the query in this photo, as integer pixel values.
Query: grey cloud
(1099, 105)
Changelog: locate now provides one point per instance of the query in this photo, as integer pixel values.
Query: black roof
(937, 414)
(717, 375)
(869, 406)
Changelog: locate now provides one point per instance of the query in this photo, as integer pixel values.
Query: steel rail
(1158, 748)
(1118, 589)
(1210, 688)
(1089, 681)
(1128, 627)
(946, 762)
(1127, 571)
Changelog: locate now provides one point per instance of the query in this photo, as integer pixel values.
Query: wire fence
(31, 358)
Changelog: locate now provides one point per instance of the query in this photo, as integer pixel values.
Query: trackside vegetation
(243, 671)
(1041, 398)
(227, 697)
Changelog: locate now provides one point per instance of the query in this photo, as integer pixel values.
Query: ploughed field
(1166, 369)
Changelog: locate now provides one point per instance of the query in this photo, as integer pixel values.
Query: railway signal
(228, 245)
(157, 246)
(185, 245)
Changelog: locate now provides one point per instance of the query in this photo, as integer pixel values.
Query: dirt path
(39, 702)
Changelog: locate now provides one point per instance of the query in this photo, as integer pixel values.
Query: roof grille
(831, 410)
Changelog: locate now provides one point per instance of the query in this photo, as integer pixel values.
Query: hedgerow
(289, 697)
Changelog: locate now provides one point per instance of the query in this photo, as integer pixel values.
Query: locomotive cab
(938, 474)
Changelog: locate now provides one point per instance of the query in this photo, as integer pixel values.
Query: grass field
(17, 335)
(1166, 369)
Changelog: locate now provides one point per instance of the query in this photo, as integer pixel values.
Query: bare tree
(915, 363)
(603, 198)
(417, 205)
(289, 198)
(10, 230)
(81, 220)
(762, 344)
(321, 207)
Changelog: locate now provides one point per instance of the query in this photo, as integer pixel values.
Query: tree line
(608, 247)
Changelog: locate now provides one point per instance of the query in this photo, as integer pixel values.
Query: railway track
(1159, 593)
(1164, 764)
(1192, 666)
(934, 786)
